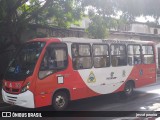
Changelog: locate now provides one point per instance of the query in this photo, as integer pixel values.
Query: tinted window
(134, 54)
(118, 55)
(147, 54)
(81, 56)
(101, 56)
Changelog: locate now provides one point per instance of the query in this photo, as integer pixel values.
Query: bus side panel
(149, 74)
(143, 74)
(141, 78)
(43, 100)
(78, 89)
(72, 82)
(134, 76)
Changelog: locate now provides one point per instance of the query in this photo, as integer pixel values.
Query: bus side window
(147, 54)
(134, 54)
(118, 55)
(101, 55)
(81, 56)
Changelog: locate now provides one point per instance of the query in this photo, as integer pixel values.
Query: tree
(100, 12)
(97, 28)
(129, 9)
(135, 8)
(16, 15)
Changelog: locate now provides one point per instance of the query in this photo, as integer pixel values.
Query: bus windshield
(23, 64)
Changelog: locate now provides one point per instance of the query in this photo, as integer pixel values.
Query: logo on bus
(91, 78)
(123, 73)
(111, 76)
(141, 72)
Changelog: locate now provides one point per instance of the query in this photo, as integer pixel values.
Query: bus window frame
(101, 55)
(154, 56)
(135, 54)
(118, 55)
(44, 56)
(79, 56)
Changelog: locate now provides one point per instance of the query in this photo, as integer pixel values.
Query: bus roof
(88, 40)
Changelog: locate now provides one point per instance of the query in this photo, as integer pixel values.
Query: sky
(145, 19)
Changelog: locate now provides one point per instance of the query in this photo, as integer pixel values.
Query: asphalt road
(143, 99)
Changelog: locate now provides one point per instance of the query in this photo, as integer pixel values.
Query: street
(143, 99)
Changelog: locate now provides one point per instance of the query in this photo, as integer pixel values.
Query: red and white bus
(54, 71)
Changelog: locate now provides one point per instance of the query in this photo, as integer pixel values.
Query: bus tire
(60, 101)
(128, 89)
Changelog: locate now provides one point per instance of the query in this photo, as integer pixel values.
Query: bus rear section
(52, 71)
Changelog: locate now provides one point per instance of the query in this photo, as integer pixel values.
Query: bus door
(51, 75)
(135, 60)
(149, 64)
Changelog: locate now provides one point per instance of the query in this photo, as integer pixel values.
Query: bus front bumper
(25, 99)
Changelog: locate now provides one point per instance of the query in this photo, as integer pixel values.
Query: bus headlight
(25, 88)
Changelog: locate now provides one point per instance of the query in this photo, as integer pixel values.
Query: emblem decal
(141, 72)
(123, 73)
(112, 73)
(91, 78)
(111, 76)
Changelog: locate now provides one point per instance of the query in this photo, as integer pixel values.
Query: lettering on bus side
(117, 41)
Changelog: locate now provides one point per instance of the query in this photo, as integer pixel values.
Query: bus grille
(12, 99)
(11, 90)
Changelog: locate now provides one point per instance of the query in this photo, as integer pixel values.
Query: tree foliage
(129, 9)
(16, 15)
(97, 28)
(135, 8)
(100, 12)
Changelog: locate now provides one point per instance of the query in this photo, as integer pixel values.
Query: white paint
(60, 80)
(25, 99)
(102, 84)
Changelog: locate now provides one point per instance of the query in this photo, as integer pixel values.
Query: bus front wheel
(60, 101)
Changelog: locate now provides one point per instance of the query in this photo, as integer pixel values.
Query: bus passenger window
(134, 54)
(118, 55)
(81, 56)
(101, 55)
(55, 59)
(147, 54)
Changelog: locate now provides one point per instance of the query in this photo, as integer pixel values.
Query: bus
(54, 71)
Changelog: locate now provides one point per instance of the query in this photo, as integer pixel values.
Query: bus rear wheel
(60, 101)
(128, 89)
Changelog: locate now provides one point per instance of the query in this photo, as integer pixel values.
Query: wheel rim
(128, 89)
(60, 101)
